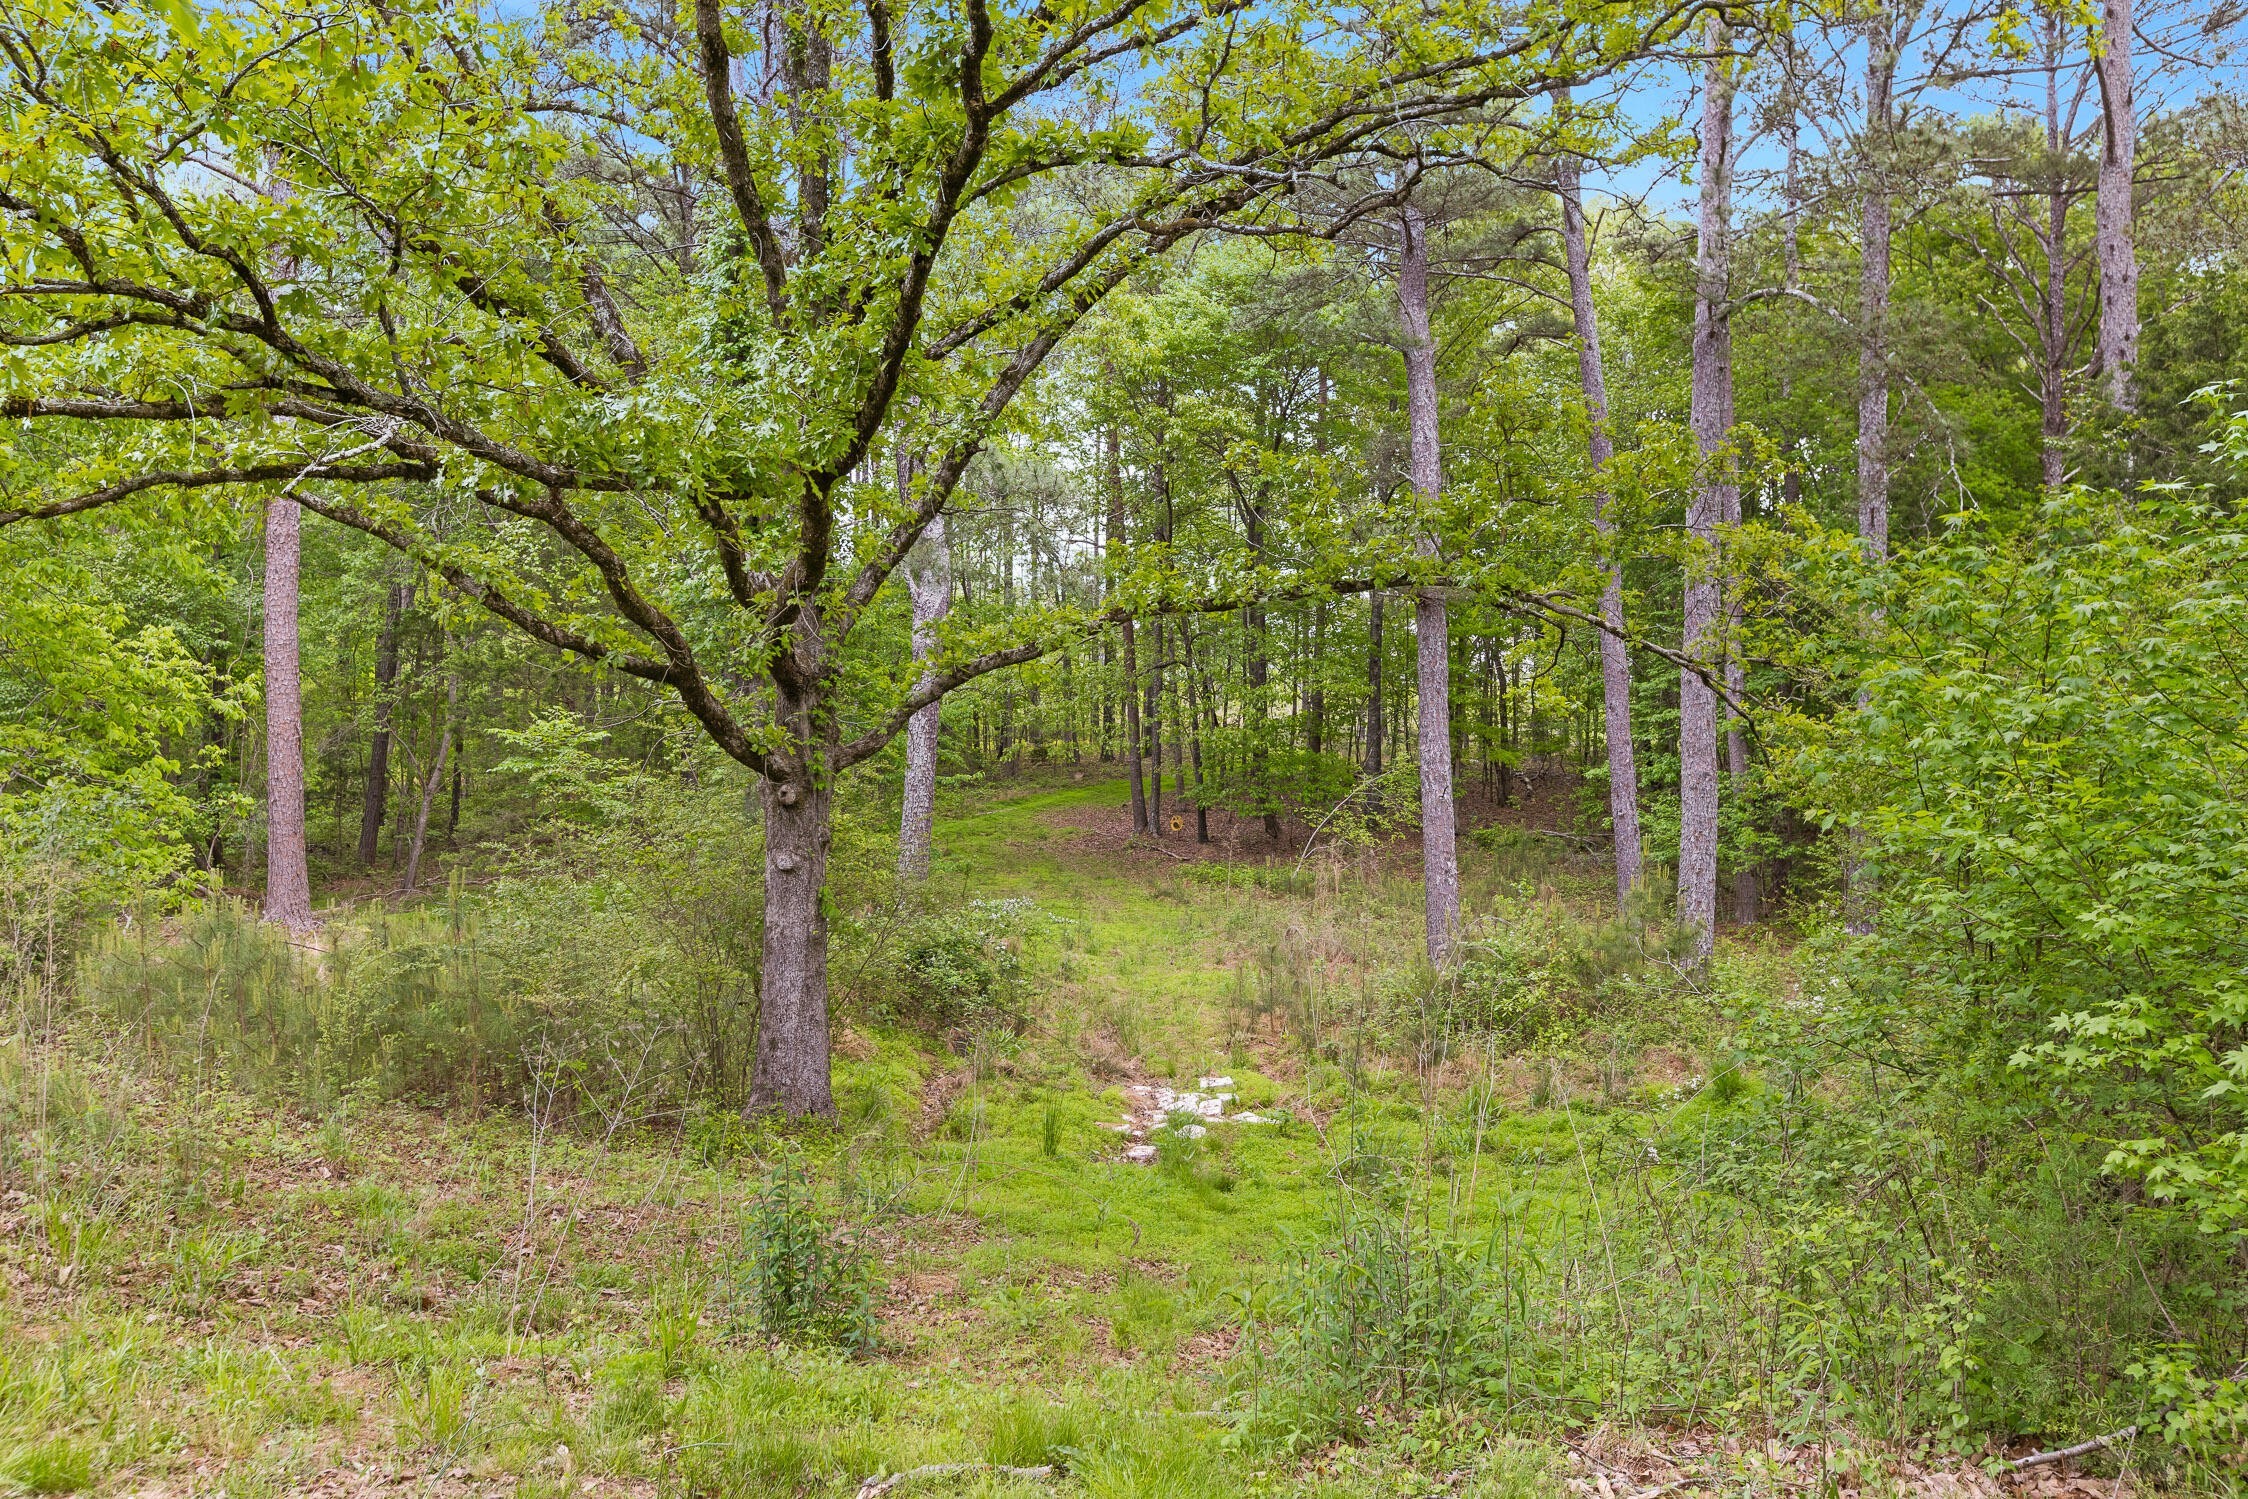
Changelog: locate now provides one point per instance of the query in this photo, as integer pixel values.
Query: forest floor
(404, 1301)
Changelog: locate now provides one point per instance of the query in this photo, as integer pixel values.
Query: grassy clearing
(1452, 1251)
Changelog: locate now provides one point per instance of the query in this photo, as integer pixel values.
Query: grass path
(213, 1296)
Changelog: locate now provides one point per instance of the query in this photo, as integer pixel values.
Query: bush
(1532, 981)
(612, 970)
(397, 1004)
(809, 1282)
(2047, 774)
(950, 972)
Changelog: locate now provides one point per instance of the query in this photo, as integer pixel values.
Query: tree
(399, 599)
(931, 585)
(636, 424)
(1440, 868)
(2112, 207)
(1715, 498)
(1615, 654)
(288, 878)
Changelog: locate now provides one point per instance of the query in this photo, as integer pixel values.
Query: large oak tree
(611, 319)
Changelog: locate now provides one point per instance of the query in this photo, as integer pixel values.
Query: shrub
(951, 972)
(1536, 978)
(810, 1283)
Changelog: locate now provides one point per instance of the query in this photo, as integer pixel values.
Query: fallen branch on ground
(876, 1486)
(2081, 1449)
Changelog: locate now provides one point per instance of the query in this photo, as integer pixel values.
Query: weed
(810, 1282)
(437, 1405)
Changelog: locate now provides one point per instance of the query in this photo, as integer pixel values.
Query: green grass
(200, 1282)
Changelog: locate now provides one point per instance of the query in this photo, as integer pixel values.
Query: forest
(1206, 748)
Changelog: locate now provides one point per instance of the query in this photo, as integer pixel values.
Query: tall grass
(398, 1003)
(1787, 1262)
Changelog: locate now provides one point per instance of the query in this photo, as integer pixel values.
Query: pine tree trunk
(371, 811)
(1712, 401)
(2052, 384)
(929, 578)
(2113, 228)
(1440, 869)
(288, 877)
(1374, 683)
(1615, 655)
(1194, 717)
(1873, 382)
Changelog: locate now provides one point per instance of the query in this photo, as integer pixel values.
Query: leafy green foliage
(809, 1281)
(2048, 767)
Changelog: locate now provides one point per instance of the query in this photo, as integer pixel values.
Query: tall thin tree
(929, 580)
(1615, 655)
(1440, 867)
(374, 803)
(2113, 220)
(1712, 420)
(288, 875)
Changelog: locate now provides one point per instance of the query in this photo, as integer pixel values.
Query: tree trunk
(2118, 252)
(1374, 683)
(2052, 382)
(790, 1073)
(1131, 692)
(929, 578)
(1711, 417)
(1615, 655)
(1256, 713)
(378, 752)
(1873, 297)
(288, 877)
(1315, 701)
(1440, 867)
(1194, 714)
(1873, 380)
(429, 787)
(1152, 710)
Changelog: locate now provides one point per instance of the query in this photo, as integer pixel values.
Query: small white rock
(1217, 1082)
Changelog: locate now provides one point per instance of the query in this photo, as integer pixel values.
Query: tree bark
(1374, 683)
(1152, 709)
(371, 812)
(2113, 229)
(1194, 716)
(1873, 378)
(930, 580)
(1873, 295)
(1256, 713)
(429, 786)
(790, 1073)
(288, 877)
(1711, 416)
(1615, 655)
(1440, 867)
(2052, 383)
(1131, 647)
